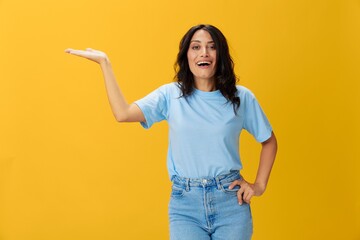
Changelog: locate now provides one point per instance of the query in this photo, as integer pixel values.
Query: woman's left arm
(267, 157)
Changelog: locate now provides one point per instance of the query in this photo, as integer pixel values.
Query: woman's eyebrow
(200, 41)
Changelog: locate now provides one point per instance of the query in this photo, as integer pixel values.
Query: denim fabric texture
(206, 209)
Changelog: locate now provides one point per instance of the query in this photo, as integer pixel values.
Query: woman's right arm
(122, 111)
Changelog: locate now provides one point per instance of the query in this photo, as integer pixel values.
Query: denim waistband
(206, 182)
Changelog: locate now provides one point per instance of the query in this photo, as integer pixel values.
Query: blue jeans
(205, 209)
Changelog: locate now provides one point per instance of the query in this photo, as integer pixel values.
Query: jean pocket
(233, 191)
(176, 192)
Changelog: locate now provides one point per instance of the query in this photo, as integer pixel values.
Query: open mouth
(203, 64)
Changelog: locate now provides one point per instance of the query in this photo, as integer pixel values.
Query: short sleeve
(255, 120)
(154, 106)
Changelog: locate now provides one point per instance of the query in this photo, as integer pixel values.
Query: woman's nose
(204, 52)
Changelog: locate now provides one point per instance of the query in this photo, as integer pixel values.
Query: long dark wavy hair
(225, 78)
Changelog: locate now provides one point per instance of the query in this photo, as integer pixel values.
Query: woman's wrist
(259, 188)
(105, 62)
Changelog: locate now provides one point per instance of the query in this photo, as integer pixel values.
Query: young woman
(206, 112)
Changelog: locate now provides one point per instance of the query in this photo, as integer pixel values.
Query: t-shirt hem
(266, 137)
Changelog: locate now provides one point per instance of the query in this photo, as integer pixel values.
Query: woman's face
(202, 56)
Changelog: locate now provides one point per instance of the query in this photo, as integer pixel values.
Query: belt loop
(187, 184)
(218, 184)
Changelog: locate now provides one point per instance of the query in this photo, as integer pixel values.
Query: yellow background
(68, 170)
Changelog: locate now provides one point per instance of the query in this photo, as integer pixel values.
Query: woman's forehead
(202, 36)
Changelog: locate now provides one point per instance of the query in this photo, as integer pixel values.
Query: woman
(206, 112)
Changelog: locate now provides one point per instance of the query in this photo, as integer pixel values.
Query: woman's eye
(195, 47)
(213, 47)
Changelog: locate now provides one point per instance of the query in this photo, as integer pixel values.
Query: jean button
(204, 181)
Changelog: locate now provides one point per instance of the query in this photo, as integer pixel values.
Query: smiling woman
(202, 60)
(206, 45)
(206, 112)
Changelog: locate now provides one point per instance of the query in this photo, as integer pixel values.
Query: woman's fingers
(241, 191)
(234, 183)
(248, 194)
(240, 194)
(89, 53)
(246, 191)
(81, 53)
(68, 50)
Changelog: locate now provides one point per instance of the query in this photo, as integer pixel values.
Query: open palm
(89, 53)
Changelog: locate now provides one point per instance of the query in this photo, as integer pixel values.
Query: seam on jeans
(205, 202)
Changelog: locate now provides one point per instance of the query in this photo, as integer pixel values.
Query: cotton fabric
(204, 131)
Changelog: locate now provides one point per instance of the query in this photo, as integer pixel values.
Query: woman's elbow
(120, 118)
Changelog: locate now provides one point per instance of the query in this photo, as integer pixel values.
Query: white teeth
(203, 63)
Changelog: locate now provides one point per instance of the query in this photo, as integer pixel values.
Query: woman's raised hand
(89, 53)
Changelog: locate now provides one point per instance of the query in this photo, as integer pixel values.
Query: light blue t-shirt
(203, 128)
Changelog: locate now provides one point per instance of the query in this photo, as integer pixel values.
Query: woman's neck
(205, 85)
